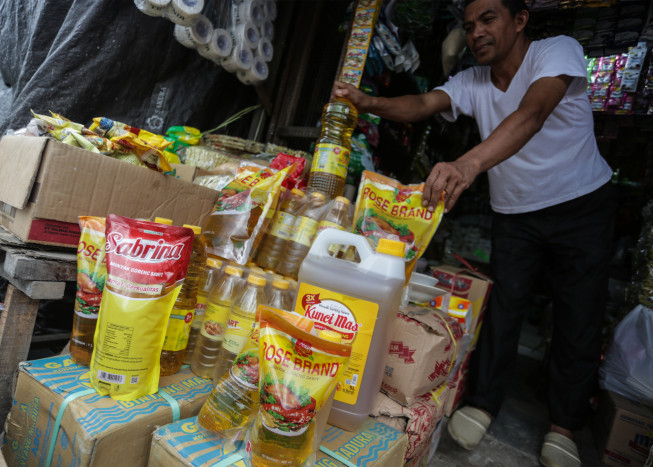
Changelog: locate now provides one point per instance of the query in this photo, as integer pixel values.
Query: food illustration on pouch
(285, 407)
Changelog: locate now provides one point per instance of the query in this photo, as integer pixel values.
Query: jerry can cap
(256, 280)
(331, 336)
(391, 247)
(233, 271)
(195, 228)
(163, 220)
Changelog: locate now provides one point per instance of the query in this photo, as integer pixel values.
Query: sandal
(468, 426)
(559, 451)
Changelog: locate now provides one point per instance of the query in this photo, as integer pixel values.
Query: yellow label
(121, 365)
(91, 267)
(353, 318)
(304, 230)
(331, 158)
(282, 226)
(214, 321)
(239, 329)
(178, 329)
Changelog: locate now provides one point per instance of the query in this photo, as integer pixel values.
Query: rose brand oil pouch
(91, 275)
(242, 213)
(146, 266)
(387, 209)
(298, 372)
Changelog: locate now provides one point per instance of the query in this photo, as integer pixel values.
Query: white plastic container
(360, 301)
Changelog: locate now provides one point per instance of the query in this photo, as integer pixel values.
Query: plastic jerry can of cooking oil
(360, 301)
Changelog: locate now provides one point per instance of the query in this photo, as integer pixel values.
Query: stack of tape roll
(257, 73)
(267, 30)
(240, 59)
(153, 7)
(246, 34)
(218, 48)
(199, 32)
(184, 11)
(250, 10)
(264, 50)
(270, 9)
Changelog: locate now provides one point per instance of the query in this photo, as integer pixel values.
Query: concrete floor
(515, 436)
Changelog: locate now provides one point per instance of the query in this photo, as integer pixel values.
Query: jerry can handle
(327, 237)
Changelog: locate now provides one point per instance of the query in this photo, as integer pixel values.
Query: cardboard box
(468, 284)
(45, 185)
(94, 430)
(418, 421)
(623, 430)
(457, 386)
(184, 444)
(424, 346)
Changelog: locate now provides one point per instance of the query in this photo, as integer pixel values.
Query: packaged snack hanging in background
(297, 374)
(146, 265)
(294, 179)
(91, 275)
(235, 398)
(240, 217)
(387, 209)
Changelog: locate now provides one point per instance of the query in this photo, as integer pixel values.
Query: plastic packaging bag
(628, 365)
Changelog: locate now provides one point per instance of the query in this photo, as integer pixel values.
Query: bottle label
(353, 318)
(331, 159)
(283, 226)
(304, 230)
(178, 329)
(214, 320)
(239, 329)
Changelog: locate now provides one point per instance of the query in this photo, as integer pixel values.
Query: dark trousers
(572, 244)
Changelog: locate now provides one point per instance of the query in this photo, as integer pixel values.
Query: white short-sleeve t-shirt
(562, 161)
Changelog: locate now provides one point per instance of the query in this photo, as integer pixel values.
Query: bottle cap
(256, 280)
(331, 336)
(281, 284)
(163, 220)
(391, 247)
(233, 271)
(298, 192)
(343, 200)
(213, 263)
(317, 195)
(195, 228)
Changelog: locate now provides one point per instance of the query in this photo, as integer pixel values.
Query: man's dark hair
(513, 6)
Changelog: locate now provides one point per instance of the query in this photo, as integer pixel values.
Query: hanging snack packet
(298, 372)
(91, 275)
(234, 399)
(146, 266)
(240, 217)
(387, 209)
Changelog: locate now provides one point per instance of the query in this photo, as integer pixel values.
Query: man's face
(490, 30)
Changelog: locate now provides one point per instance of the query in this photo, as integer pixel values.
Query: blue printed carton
(183, 443)
(93, 429)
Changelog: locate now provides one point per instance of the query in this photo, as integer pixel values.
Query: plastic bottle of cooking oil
(279, 230)
(280, 295)
(359, 300)
(333, 148)
(179, 324)
(242, 316)
(336, 216)
(212, 274)
(209, 342)
(302, 235)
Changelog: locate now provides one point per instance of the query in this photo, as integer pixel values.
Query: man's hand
(361, 101)
(449, 179)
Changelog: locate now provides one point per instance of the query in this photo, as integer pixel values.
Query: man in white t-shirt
(552, 208)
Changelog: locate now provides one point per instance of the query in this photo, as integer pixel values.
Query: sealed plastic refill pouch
(146, 266)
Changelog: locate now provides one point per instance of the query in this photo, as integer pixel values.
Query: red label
(402, 351)
(49, 231)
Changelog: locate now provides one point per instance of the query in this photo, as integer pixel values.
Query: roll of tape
(265, 50)
(270, 9)
(267, 30)
(183, 11)
(153, 7)
(256, 74)
(249, 10)
(246, 34)
(182, 37)
(219, 46)
(240, 59)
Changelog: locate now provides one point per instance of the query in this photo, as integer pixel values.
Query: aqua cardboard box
(94, 430)
(184, 444)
